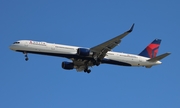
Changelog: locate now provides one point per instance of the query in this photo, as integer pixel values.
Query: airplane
(84, 58)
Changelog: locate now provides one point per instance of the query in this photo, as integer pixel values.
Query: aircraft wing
(101, 49)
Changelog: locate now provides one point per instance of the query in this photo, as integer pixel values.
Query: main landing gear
(26, 56)
(87, 70)
(97, 61)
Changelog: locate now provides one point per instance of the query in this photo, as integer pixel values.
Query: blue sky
(42, 83)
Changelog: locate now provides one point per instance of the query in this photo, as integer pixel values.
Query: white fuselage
(59, 50)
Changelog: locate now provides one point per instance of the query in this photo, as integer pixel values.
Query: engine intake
(84, 52)
(67, 65)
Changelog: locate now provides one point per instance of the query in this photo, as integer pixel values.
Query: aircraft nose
(12, 47)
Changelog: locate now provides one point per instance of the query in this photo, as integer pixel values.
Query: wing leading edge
(101, 49)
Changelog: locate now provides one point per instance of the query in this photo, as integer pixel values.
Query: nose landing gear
(26, 56)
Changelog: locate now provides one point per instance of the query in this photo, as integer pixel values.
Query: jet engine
(84, 52)
(67, 65)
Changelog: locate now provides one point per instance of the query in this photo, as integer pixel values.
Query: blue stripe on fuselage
(109, 61)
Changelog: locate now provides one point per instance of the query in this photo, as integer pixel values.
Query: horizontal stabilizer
(159, 57)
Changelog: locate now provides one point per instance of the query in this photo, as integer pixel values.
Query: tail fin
(152, 49)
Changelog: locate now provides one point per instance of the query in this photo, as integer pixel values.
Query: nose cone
(12, 47)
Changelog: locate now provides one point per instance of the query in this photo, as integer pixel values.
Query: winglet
(131, 29)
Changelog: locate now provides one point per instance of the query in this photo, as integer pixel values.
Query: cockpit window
(16, 42)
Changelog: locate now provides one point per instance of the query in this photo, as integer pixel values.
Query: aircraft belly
(115, 62)
(127, 61)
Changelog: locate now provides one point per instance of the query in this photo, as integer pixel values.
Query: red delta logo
(152, 50)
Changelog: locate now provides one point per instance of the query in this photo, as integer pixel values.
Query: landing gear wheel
(88, 71)
(97, 64)
(26, 59)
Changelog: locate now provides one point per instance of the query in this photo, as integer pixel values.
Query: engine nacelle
(67, 65)
(84, 52)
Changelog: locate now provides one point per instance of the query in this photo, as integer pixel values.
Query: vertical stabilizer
(152, 49)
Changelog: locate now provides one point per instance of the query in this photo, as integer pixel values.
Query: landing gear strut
(26, 56)
(97, 61)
